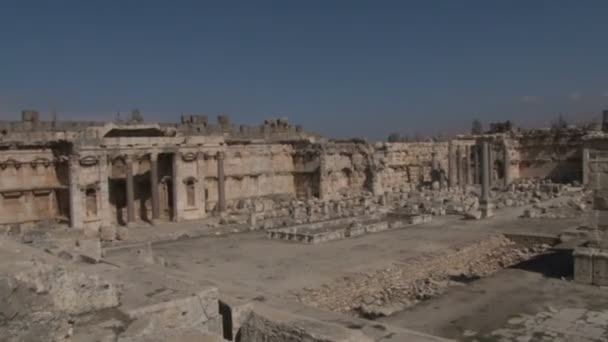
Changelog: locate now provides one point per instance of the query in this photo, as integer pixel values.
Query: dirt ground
(248, 265)
(252, 263)
(486, 305)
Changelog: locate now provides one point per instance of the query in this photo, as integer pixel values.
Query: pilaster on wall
(105, 212)
(200, 185)
(76, 199)
(322, 177)
(585, 166)
(178, 185)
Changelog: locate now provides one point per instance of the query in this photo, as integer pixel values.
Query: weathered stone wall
(32, 186)
(405, 165)
(549, 154)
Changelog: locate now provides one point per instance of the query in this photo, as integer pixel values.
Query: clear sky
(342, 68)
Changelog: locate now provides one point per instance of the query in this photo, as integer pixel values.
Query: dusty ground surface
(536, 301)
(251, 261)
(250, 266)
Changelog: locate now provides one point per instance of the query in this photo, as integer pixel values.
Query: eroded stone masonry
(94, 175)
(274, 233)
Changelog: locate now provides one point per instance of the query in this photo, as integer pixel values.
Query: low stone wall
(340, 229)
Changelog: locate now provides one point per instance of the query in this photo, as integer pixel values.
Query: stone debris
(564, 324)
(406, 283)
(575, 205)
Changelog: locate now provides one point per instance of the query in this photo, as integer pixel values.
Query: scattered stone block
(473, 215)
(600, 267)
(122, 233)
(108, 233)
(89, 249)
(583, 265)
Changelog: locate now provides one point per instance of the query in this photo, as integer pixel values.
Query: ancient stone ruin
(201, 231)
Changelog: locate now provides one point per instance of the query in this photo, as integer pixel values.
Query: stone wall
(33, 186)
(549, 154)
(405, 165)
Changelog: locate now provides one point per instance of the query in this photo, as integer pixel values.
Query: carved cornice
(10, 163)
(41, 161)
(190, 179)
(189, 156)
(89, 161)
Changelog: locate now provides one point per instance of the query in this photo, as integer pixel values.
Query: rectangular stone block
(600, 268)
(583, 265)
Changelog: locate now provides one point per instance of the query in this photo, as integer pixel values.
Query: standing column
(451, 167)
(154, 187)
(476, 169)
(484, 201)
(434, 168)
(200, 185)
(585, 166)
(490, 162)
(76, 198)
(104, 192)
(459, 165)
(221, 185)
(176, 181)
(467, 159)
(130, 192)
(507, 164)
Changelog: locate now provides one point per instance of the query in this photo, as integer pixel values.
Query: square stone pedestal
(487, 210)
(591, 265)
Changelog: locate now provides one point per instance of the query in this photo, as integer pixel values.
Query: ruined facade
(94, 174)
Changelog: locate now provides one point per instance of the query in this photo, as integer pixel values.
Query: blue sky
(342, 68)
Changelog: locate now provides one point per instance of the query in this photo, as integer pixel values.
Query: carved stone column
(484, 202)
(467, 160)
(200, 185)
(507, 164)
(490, 162)
(104, 192)
(476, 170)
(451, 167)
(130, 191)
(76, 198)
(221, 185)
(177, 184)
(154, 187)
(585, 167)
(435, 169)
(459, 166)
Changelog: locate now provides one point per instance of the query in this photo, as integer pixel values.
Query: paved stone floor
(564, 325)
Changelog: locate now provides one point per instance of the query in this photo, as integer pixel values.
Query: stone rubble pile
(573, 206)
(42, 300)
(382, 292)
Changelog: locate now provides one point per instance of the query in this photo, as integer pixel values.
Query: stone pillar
(507, 164)
(459, 172)
(200, 185)
(177, 186)
(322, 173)
(435, 170)
(476, 166)
(484, 202)
(490, 162)
(130, 192)
(451, 167)
(76, 198)
(104, 192)
(585, 178)
(221, 184)
(467, 160)
(154, 187)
